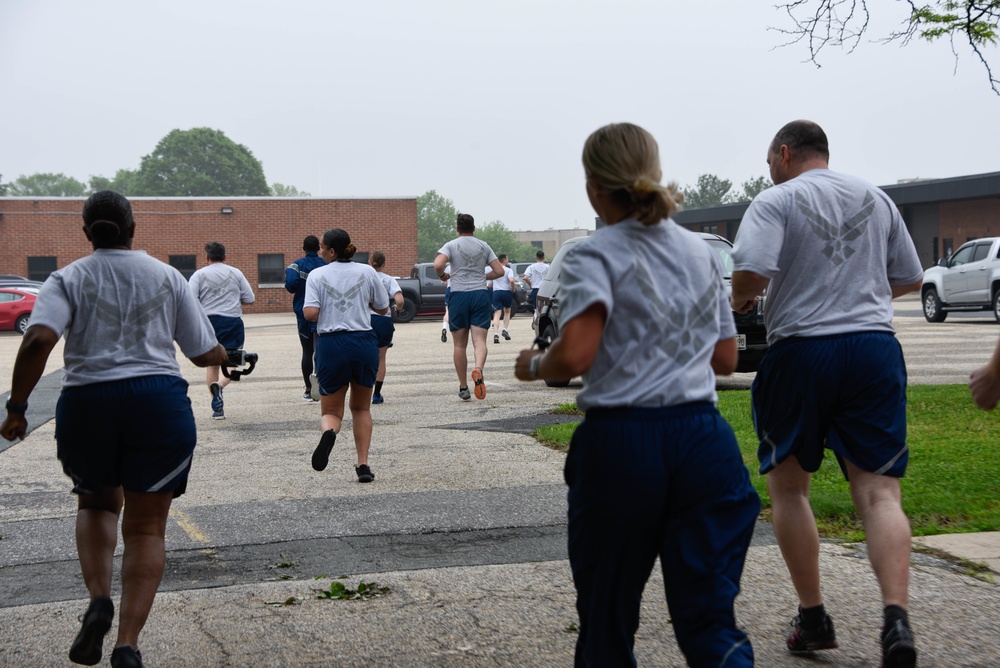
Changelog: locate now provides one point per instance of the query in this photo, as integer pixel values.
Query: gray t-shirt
(468, 256)
(121, 312)
(391, 286)
(221, 289)
(344, 293)
(832, 245)
(667, 307)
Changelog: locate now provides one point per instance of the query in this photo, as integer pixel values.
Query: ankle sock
(378, 387)
(812, 618)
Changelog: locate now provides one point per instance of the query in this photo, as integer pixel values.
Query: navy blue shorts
(502, 299)
(346, 357)
(447, 296)
(845, 392)
(137, 433)
(228, 330)
(469, 309)
(533, 297)
(305, 327)
(667, 482)
(384, 329)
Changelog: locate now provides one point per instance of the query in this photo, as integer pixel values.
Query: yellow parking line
(189, 527)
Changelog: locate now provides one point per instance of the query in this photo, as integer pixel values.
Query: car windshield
(725, 253)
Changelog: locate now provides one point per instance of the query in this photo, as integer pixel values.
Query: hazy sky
(488, 103)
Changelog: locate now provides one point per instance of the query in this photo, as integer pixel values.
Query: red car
(15, 308)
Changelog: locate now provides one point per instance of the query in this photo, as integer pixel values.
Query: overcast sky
(488, 103)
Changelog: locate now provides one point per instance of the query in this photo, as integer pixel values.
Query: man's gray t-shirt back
(667, 306)
(112, 333)
(468, 256)
(221, 289)
(832, 246)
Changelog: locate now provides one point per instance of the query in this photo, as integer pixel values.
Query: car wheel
(407, 313)
(21, 324)
(996, 305)
(932, 307)
(549, 335)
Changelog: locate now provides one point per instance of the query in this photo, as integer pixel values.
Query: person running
(462, 262)
(222, 290)
(832, 251)
(340, 298)
(646, 321)
(382, 323)
(533, 276)
(125, 433)
(295, 282)
(503, 299)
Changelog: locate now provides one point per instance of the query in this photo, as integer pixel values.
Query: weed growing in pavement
(365, 590)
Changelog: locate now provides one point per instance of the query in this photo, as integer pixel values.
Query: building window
(39, 268)
(710, 229)
(360, 257)
(186, 264)
(536, 244)
(271, 268)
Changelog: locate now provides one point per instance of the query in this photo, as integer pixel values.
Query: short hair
(108, 218)
(340, 242)
(378, 259)
(804, 137)
(216, 252)
(310, 244)
(625, 160)
(502, 257)
(465, 223)
(540, 255)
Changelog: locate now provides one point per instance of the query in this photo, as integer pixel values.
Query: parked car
(16, 305)
(20, 283)
(751, 335)
(969, 280)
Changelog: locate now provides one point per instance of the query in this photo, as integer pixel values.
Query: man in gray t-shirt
(832, 251)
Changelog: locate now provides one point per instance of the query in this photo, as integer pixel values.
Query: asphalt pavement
(462, 532)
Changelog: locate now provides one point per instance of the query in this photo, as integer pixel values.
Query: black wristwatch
(16, 408)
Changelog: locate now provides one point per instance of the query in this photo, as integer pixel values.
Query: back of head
(502, 257)
(310, 244)
(625, 160)
(465, 223)
(540, 256)
(804, 138)
(340, 242)
(378, 259)
(215, 251)
(108, 218)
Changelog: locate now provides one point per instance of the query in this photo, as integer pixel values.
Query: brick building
(262, 236)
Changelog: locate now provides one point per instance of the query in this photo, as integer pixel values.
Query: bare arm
(900, 290)
(36, 346)
(724, 357)
(747, 287)
(572, 353)
(310, 313)
(398, 300)
(497, 272)
(439, 264)
(215, 357)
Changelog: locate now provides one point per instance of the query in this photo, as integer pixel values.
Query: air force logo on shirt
(681, 327)
(225, 286)
(342, 301)
(132, 325)
(838, 247)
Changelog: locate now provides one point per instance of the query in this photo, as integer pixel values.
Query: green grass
(952, 483)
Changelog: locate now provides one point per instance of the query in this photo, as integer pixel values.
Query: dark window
(962, 256)
(429, 272)
(360, 257)
(536, 244)
(186, 264)
(39, 268)
(271, 268)
(982, 250)
(710, 229)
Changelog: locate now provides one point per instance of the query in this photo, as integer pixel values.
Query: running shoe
(809, 640)
(217, 402)
(218, 415)
(88, 644)
(496, 338)
(463, 394)
(307, 396)
(377, 399)
(897, 646)
(364, 473)
(444, 335)
(126, 657)
(314, 387)
(480, 388)
(506, 335)
(321, 455)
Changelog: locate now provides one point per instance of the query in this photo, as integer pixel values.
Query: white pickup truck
(969, 280)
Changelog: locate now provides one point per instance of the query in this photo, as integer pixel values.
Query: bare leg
(460, 339)
(479, 348)
(887, 529)
(213, 375)
(332, 410)
(496, 323)
(795, 528)
(506, 318)
(97, 536)
(143, 528)
(361, 414)
(380, 375)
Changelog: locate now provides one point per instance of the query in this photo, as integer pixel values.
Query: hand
(15, 426)
(985, 386)
(522, 365)
(746, 306)
(444, 277)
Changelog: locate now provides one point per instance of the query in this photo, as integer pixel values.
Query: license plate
(741, 342)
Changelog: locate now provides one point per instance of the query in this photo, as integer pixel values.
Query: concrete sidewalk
(464, 526)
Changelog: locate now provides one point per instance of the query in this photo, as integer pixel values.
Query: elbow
(725, 357)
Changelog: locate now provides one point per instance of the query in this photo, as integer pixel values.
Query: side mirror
(943, 262)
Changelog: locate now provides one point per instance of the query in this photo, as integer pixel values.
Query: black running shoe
(506, 335)
(897, 646)
(444, 335)
(364, 473)
(88, 645)
(809, 640)
(321, 455)
(126, 657)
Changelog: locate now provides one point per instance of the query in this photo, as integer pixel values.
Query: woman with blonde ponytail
(653, 470)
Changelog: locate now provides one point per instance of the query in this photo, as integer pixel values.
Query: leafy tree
(503, 240)
(123, 182)
(46, 185)
(710, 191)
(281, 190)
(436, 217)
(754, 187)
(200, 162)
(3, 186)
(822, 23)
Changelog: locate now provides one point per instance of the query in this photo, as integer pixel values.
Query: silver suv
(751, 335)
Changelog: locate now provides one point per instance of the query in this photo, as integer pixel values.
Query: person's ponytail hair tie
(349, 251)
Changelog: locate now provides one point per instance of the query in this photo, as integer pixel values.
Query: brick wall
(969, 219)
(181, 226)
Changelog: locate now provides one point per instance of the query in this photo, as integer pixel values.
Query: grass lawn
(952, 483)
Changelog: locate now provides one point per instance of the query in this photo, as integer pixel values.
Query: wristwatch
(16, 408)
(533, 367)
